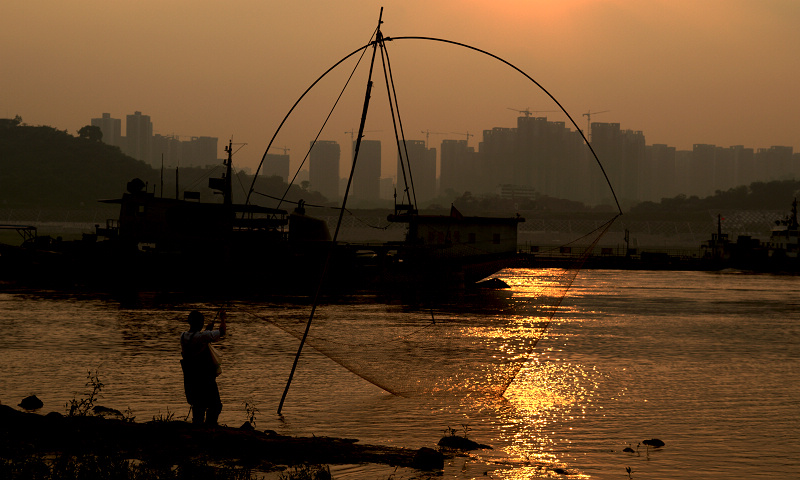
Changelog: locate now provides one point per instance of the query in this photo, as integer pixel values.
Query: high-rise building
(195, 152)
(166, 148)
(633, 156)
(139, 137)
(111, 128)
(775, 161)
(388, 188)
(744, 163)
(683, 171)
(497, 151)
(702, 171)
(533, 159)
(276, 165)
(459, 169)
(323, 168)
(367, 175)
(607, 144)
(622, 152)
(419, 172)
(141, 144)
(550, 158)
(199, 151)
(658, 173)
(724, 169)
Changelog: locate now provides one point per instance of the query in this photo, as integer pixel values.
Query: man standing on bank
(199, 368)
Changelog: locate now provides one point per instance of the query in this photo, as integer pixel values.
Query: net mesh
(474, 344)
(466, 345)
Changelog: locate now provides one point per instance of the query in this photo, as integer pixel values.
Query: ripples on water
(706, 362)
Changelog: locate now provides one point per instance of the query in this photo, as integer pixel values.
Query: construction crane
(428, 134)
(178, 137)
(285, 150)
(527, 112)
(588, 116)
(353, 134)
(353, 139)
(462, 133)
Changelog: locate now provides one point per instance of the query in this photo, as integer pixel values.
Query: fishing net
(474, 343)
(477, 342)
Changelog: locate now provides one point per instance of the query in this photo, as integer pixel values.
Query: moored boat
(784, 239)
(159, 243)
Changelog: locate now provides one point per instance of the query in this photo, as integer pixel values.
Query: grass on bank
(115, 467)
(94, 466)
(111, 467)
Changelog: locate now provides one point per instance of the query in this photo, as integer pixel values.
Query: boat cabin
(173, 224)
(460, 236)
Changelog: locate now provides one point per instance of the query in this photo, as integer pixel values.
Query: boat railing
(576, 251)
(110, 230)
(27, 232)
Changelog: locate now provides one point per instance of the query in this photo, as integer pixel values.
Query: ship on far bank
(778, 254)
(159, 243)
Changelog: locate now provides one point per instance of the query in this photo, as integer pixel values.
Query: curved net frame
(475, 344)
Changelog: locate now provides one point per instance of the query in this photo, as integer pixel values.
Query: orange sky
(723, 72)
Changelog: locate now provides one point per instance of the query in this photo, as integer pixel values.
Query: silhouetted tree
(91, 133)
(46, 167)
(10, 122)
(774, 195)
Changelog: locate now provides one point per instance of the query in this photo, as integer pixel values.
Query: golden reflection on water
(658, 359)
(544, 397)
(541, 393)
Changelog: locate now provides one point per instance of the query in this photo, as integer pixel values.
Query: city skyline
(684, 73)
(538, 156)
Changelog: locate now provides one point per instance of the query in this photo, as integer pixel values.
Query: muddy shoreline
(23, 433)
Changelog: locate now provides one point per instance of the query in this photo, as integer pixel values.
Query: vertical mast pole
(227, 193)
(378, 40)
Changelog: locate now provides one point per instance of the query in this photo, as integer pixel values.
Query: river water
(706, 362)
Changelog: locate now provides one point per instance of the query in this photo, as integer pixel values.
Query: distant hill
(46, 168)
(758, 196)
(775, 195)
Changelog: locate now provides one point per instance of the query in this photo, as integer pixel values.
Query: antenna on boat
(227, 192)
(177, 188)
(162, 176)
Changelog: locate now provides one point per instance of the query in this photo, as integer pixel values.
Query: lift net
(474, 344)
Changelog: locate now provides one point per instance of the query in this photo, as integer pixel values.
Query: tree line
(43, 167)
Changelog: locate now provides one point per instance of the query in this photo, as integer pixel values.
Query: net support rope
(319, 343)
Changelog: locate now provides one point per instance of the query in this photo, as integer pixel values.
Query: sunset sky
(723, 72)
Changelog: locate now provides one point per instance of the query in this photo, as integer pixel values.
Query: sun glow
(533, 14)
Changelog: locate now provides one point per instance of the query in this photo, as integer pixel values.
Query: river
(706, 362)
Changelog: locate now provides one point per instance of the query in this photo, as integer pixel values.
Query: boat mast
(162, 176)
(227, 191)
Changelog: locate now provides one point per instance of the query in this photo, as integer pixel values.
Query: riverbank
(26, 435)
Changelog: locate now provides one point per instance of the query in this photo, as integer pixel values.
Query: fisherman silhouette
(199, 369)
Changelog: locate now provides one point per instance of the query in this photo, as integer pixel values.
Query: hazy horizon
(720, 72)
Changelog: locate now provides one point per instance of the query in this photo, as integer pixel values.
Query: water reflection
(450, 360)
(626, 357)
